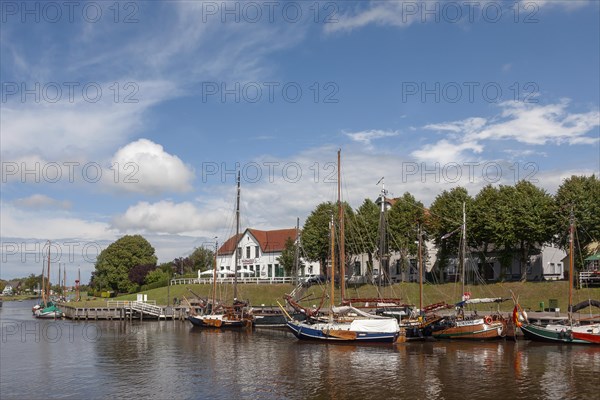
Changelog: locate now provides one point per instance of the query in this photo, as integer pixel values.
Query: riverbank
(530, 294)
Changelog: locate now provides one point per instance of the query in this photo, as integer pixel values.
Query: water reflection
(170, 359)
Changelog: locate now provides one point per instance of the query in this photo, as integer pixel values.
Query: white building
(258, 253)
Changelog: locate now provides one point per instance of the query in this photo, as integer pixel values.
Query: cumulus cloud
(161, 217)
(145, 167)
(39, 201)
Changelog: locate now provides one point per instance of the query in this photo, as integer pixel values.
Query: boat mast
(48, 277)
(571, 267)
(342, 237)
(463, 248)
(383, 272)
(420, 269)
(214, 288)
(332, 275)
(296, 249)
(65, 282)
(237, 234)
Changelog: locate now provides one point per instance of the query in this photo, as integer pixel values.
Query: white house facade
(258, 254)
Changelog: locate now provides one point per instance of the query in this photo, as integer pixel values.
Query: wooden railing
(253, 280)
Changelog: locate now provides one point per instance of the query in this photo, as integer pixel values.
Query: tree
(446, 217)
(491, 225)
(404, 217)
(581, 194)
(532, 214)
(138, 273)
(114, 263)
(202, 258)
(364, 229)
(287, 257)
(157, 275)
(316, 234)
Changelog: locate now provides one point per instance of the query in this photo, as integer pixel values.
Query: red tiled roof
(269, 241)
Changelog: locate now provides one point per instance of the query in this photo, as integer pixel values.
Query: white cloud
(72, 131)
(145, 167)
(540, 124)
(404, 13)
(39, 201)
(445, 151)
(25, 223)
(161, 217)
(530, 124)
(365, 137)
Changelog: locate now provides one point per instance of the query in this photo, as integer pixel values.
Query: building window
(256, 252)
(247, 251)
(356, 267)
(239, 252)
(269, 270)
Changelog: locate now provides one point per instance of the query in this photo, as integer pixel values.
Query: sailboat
(345, 323)
(473, 327)
(220, 315)
(413, 323)
(569, 332)
(46, 309)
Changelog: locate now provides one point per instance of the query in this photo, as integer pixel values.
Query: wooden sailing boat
(472, 327)
(220, 315)
(569, 332)
(47, 309)
(346, 323)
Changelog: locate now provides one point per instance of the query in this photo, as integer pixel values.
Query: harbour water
(171, 360)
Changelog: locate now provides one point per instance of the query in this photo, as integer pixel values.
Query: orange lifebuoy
(488, 320)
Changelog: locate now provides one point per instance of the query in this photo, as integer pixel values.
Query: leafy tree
(365, 232)
(403, 218)
(491, 225)
(446, 217)
(32, 282)
(532, 214)
(202, 258)
(114, 263)
(581, 194)
(316, 232)
(138, 273)
(157, 275)
(287, 257)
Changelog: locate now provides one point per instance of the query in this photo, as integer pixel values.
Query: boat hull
(472, 331)
(554, 334)
(218, 321)
(320, 332)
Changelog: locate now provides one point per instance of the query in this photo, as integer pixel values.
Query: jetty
(125, 310)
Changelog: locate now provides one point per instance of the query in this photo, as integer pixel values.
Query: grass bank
(530, 294)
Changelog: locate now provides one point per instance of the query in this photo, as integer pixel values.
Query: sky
(132, 117)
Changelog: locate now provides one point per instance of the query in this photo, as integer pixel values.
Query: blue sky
(131, 116)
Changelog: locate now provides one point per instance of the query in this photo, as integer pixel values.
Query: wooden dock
(126, 311)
